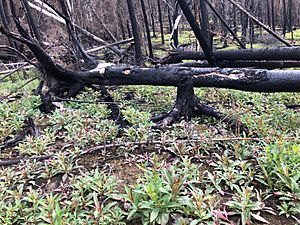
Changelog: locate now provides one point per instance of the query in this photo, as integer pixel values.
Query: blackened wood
(135, 31)
(150, 5)
(273, 15)
(147, 29)
(106, 74)
(161, 22)
(284, 17)
(197, 31)
(245, 64)
(31, 21)
(175, 33)
(170, 20)
(276, 53)
(259, 23)
(4, 18)
(204, 21)
(225, 24)
(79, 50)
(290, 8)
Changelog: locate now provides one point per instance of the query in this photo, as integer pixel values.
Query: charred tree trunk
(269, 13)
(249, 15)
(226, 25)
(161, 22)
(79, 51)
(224, 30)
(170, 21)
(198, 32)
(273, 15)
(263, 64)
(135, 31)
(244, 24)
(204, 21)
(31, 21)
(284, 17)
(235, 28)
(175, 33)
(290, 8)
(152, 17)
(251, 24)
(147, 29)
(4, 18)
(128, 29)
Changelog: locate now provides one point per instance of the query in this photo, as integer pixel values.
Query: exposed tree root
(28, 128)
(187, 105)
(116, 113)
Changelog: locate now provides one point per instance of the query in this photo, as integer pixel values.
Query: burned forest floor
(77, 166)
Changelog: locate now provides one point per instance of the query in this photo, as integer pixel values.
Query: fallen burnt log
(278, 53)
(185, 79)
(254, 80)
(106, 74)
(273, 64)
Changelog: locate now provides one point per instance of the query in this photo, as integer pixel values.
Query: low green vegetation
(196, 172)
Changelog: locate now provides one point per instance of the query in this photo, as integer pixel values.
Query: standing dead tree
(135, 31)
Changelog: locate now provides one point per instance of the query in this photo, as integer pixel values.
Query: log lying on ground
(273, 64)
(106, 74)
(254, 80)
(278, 53)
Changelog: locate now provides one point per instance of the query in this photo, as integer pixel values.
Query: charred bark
(187, 105)
(135, 31)
(147, 29)
(276, 53)
(245, 64)
(79, 51)
(198, 32)
(31, 22)
(161, 22)
(242, 45)
(255, 20)
(29, 128)
(107, 74)
(204, 21)
(4, 18)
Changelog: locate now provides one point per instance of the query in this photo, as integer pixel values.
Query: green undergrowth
(196, 172)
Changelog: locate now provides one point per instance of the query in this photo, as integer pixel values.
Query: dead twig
(95, 149)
